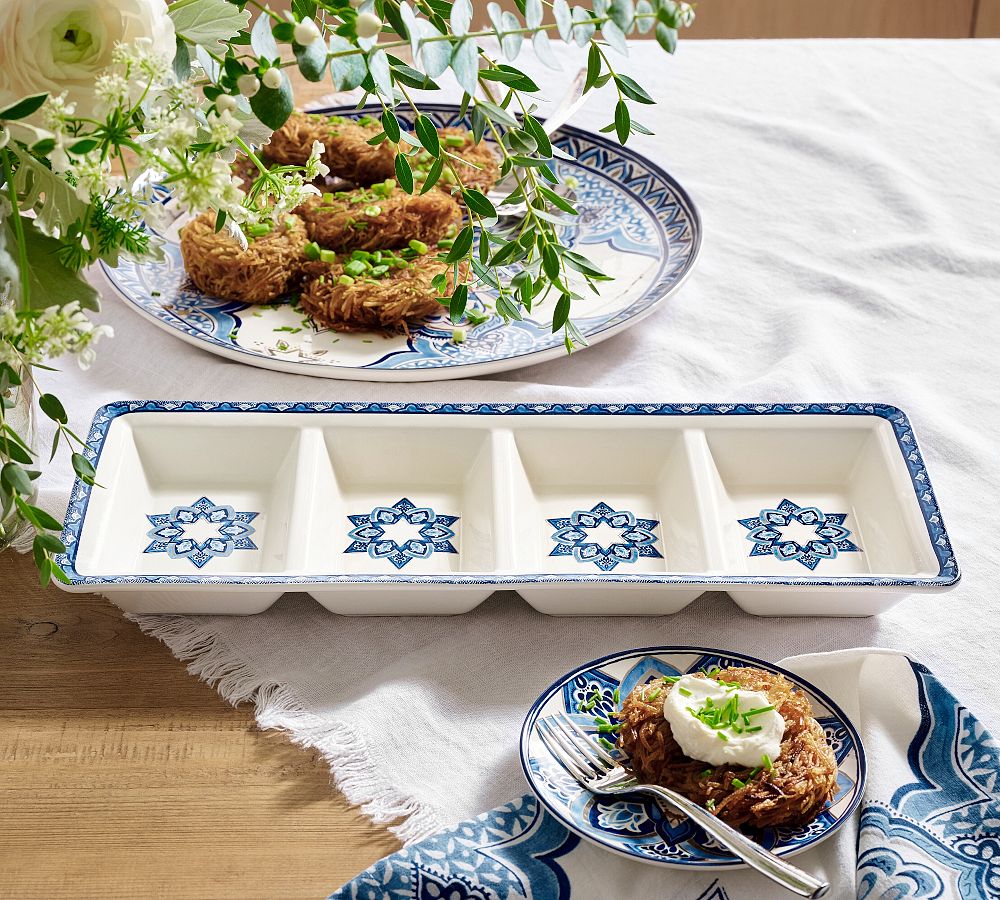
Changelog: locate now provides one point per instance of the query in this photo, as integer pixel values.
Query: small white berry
(272, 79)
(368, 25)
(225, 103)
(306, 32)
(248, 84)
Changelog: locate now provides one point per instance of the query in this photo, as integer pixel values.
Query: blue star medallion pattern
(434, 533)
(224, 531)
(830, 537)
(574, 536)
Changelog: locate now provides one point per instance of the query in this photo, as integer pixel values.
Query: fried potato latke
(482, 171)
(347, 151)
(352, 158)
(362, 220)
(269, 267)
(793, 792)
(401, 297)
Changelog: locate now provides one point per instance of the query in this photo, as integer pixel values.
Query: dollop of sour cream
(744, 732)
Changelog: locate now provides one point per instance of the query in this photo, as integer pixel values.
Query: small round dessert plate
(634, 825)
(635, 222)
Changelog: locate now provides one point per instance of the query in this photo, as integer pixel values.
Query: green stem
(266, 10)
(246, 148)
(22, 247)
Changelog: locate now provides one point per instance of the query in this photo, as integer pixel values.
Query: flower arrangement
(102, 101)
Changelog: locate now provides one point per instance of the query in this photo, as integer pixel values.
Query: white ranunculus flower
(56, 46)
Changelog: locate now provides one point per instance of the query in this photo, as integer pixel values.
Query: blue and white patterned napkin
(929, 826)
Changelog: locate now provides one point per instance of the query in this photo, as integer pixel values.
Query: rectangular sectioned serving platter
(409, 508)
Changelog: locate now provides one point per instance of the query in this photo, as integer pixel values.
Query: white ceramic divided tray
(401, 509)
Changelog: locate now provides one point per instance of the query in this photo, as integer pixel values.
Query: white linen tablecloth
(850, 193)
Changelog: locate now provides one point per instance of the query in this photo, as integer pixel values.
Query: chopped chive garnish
(684, 692)
(600, 720)
(616, 696)
(766, 760)
(653, 696)
(454, 140)
(754, 728)
(345, 280)
(737, 783)
(671, 679)
(328, 256)
(259, 229)
(312, 250)
(604, 742)
(608, 729)
(752, 773)
(758, 710)
(721, 736)
(707, 772)
(418, 246)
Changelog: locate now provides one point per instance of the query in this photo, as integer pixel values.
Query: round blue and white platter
(636, 223)
(635, 825)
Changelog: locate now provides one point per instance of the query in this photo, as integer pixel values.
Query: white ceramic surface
(426, 509)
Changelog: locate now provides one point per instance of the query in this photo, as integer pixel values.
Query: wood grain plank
(819, 18)
(123, 776)
(987, 23)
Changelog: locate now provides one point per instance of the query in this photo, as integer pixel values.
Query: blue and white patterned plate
(635, 222)
(634, 825)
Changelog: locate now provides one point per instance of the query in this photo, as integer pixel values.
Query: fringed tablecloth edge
(353, 773)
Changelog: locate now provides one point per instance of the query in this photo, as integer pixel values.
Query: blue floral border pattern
(434, 530)
(830, 537)
(653, 216)
(509, 853)
(938, 836)
(948, 571)
(233, 530)
(634, 826)
(636, 537)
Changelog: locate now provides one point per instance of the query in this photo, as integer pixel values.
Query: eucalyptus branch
(152, 118)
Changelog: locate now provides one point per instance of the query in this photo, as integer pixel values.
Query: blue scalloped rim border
(948, 573)
(834, 708)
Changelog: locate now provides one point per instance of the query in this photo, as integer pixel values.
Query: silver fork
(600, 773)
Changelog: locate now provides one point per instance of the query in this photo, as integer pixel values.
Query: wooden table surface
(121, 775)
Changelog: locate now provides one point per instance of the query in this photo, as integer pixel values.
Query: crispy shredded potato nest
(347, 151)
(268, 268)
(402, 297)
(793, 792)
(482, 172)
(352, 158)
(344, 224)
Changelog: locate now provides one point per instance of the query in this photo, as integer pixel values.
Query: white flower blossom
(56, 330)
(112, 89)
(315, 167)
(56, 46)
(208, 183)
(223, 127)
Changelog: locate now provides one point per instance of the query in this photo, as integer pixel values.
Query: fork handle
(774, 867)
